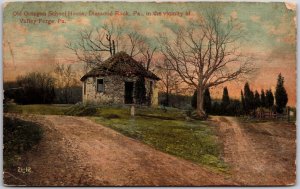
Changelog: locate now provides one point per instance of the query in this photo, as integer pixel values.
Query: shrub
(35, 88)
(81, 110)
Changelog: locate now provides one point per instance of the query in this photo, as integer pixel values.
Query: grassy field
(43, 109)
(167, 130)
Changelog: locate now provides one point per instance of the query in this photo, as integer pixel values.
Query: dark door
(128, 93)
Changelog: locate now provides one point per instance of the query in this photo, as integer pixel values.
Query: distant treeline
(40, 88)
(246, 105)
(175, 100)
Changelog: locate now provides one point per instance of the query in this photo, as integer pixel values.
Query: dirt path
(76, 151)
(259, 153)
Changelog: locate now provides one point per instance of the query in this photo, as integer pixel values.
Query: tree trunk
(167, 99)
(200, 110)
(167, 94)
(148, 64)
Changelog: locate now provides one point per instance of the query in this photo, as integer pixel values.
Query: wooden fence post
(132, 111)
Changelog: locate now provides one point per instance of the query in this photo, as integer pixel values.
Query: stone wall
(114, 90)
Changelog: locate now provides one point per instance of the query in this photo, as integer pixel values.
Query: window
(151, 88)
(100, 85)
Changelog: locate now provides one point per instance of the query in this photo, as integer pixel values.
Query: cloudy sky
(270, 35)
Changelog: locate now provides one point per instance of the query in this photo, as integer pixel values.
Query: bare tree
(148, 53)
(65, 80)
(136, 41)
(170, 81)
(93, 46)
(138, 46)
(206, 54)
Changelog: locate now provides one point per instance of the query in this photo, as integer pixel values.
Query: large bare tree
(206, 53)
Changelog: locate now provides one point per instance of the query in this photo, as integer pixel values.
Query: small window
(100, 85)
(151, 88)
(151, 84)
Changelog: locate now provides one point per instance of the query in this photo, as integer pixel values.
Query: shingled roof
(120, 64)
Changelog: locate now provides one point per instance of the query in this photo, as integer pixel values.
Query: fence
(288, 114)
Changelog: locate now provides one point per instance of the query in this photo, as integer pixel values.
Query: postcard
(149, 93)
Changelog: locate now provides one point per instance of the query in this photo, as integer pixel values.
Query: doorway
(128, 93)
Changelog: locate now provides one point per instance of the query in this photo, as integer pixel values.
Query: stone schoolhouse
(114, 82)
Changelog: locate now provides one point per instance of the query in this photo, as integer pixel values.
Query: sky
(270, 35)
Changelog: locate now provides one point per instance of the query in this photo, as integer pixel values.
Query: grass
(80, 110)
(18, 137)
(43, 109)
(167, 130)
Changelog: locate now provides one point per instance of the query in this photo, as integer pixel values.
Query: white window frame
(97, 85)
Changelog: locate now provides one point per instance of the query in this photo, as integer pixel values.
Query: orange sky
(270, 27)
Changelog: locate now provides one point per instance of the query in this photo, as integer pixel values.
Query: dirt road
(259, 153)
(76, 151)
